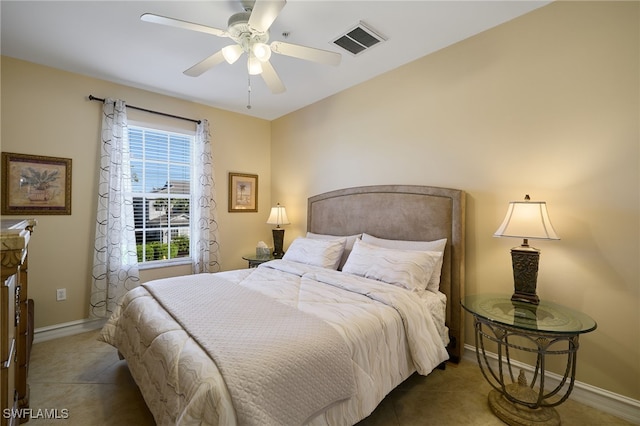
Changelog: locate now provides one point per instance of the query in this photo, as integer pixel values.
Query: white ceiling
(107, 40)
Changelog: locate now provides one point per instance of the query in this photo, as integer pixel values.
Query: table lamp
(278, 217)
(526, 219)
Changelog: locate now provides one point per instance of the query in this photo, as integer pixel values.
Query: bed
(319, 337)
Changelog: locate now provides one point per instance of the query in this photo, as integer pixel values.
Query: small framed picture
(34, 184)
(243, 192)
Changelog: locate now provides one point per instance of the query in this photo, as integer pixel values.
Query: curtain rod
(93, 98)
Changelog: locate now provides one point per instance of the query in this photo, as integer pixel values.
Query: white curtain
(115, 263)
(204, 242)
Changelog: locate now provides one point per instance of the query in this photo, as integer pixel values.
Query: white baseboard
(66, 329)
(600, 399)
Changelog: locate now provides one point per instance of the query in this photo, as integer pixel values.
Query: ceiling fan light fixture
(232, 53)
(250, 31)
(261, 51)
(253, 65)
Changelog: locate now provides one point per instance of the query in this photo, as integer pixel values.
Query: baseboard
(600, 399)
(66, 329)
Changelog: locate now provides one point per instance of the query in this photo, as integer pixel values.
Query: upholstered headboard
(403, 212)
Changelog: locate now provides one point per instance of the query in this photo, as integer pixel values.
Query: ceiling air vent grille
(359, 39)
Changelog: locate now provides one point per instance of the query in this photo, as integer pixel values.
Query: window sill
(157, 264)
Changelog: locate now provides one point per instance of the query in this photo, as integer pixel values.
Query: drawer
(7, 315)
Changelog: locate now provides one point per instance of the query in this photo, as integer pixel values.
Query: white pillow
(324, 253)
(349, 241)
(437, 246)
(404, 268)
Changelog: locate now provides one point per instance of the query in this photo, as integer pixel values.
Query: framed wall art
(35, 185)
(243, 192)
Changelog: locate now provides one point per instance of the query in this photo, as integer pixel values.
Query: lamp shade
(527, 219)
(278, 216)
(253, 65)
(232, 53)
(261, 51)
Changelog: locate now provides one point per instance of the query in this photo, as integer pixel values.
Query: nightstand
(254, 260)
(546, 330)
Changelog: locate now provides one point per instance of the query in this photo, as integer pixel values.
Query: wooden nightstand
(547, 330)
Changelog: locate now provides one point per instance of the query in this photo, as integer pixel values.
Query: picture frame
(35, 185)
(243, 192)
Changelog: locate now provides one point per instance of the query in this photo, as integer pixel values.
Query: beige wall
(46, 112)
(547, 105)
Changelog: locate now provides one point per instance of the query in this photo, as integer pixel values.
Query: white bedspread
(182, 385)
(281, 366)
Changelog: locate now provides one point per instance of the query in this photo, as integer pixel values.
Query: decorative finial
(522, 379)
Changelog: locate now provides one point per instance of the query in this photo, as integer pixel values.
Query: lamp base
(278, 240)
(525, 262)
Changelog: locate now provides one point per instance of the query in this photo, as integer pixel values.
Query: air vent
(359, 39)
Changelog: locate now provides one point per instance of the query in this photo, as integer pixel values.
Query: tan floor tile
(88, 341)
(443, 408)
(384, 415)
(581, 414)
(70, 367)
(89, 404)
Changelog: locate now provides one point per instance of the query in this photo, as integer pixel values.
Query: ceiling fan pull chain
(248, 91)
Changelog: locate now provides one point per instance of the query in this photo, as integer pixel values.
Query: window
(161, 182)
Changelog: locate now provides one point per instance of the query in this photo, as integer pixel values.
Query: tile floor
(85, 377)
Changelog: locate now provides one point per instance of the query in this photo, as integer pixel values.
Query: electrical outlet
(61, 294)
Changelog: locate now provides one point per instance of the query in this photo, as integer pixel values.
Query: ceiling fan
(250, 31)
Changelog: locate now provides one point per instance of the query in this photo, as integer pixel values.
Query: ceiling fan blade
(263, 14)
(307, 53)
(270, 77)
(177, 23)
(205, 65)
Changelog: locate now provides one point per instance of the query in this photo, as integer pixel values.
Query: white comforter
(182, 385)
(281, 366)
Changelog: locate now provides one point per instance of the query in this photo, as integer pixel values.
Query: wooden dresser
(16, 321)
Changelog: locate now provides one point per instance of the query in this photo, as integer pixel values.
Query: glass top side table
(547, 329)
(255, 260)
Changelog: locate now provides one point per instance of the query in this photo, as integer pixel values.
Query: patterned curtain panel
(204, 249)
(115, 264)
